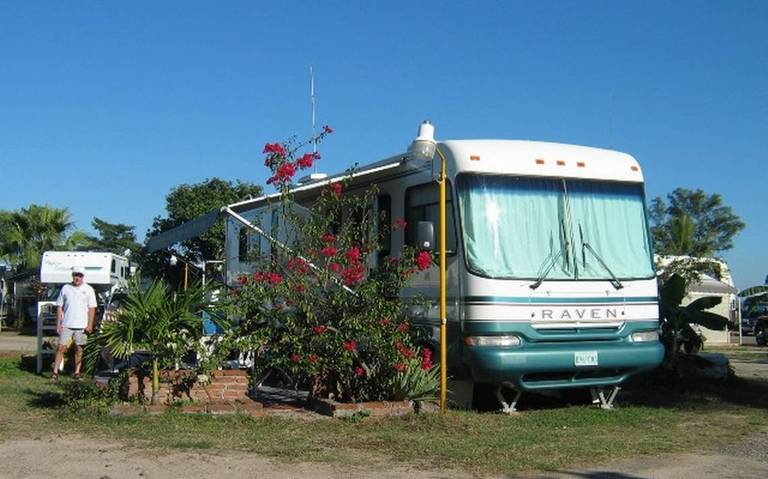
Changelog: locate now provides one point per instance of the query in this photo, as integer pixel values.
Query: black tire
(760, 337)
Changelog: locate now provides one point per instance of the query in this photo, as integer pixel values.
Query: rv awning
(710, 285)
(190, 229)
(201, 224)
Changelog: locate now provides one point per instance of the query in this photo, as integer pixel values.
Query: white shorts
(67, 334)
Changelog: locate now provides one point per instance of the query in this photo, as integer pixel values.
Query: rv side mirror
(425, 235)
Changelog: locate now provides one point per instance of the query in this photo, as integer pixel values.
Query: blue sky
(105, 106)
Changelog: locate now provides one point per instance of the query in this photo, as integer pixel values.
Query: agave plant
(157, 321)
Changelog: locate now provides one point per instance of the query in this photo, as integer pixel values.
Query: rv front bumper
(556, 366)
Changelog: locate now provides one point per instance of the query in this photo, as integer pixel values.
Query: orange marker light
(634, 168)
(581, 164)
(539, 161)
(560, 163)
(474, 158)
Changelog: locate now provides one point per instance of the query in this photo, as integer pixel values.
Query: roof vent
(311, 178)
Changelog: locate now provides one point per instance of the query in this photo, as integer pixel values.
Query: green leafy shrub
(88, 397)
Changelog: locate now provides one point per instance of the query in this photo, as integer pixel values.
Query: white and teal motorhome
(550, 275)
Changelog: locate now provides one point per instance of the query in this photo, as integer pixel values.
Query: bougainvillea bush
(325, 310)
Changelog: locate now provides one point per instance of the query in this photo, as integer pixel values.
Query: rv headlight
(645, 336)
(493, 341)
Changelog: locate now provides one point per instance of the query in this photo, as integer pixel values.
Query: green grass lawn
(743, 353)
(542, 437)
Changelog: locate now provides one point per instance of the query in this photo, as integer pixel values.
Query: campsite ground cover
(742, 353)
(545, 436)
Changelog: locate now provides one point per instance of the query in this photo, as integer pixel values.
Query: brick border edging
(335, 409)
(224, 386)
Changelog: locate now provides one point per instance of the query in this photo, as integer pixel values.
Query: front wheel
(760, 337)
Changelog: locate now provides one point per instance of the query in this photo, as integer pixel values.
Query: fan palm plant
(26, 233)
(157, 321)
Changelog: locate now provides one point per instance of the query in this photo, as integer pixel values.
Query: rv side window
(254, 245)
(114, 266)
(242, 245)
(274, 231)
(422, 204)
(385, 227)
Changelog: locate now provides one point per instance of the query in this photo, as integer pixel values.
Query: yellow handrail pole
(443, 290)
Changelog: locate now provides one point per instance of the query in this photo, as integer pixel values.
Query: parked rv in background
(107, 273)
(551, 282)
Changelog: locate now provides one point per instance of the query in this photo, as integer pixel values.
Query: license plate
(585, 358)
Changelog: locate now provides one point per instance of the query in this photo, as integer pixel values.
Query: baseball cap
(78, 270)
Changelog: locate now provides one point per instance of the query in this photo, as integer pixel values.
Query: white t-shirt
(76, 301)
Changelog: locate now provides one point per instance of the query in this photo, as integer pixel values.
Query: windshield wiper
(543, 275)
(563, 250)
(584, 245)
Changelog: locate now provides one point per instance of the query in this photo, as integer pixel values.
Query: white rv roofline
(379, 166)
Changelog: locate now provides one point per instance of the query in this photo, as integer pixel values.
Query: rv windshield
(514, 226)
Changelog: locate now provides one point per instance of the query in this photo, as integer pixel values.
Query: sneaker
(55, 377)
(76, 376)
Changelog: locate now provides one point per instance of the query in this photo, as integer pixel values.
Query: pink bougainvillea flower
(426, 359)
(328, 238)
(385, 322)
(399, 224)
(285, 171)
(359, 371)
(319, 329)
(353, 274)
(299, 288)
(295, 358)
(350, 345)
(313, 358)
(242, 279)
(274, 278)
(259, 276)
(399, 366)
(298, 265)
(329, 251)
(335, 267)
(336, 187)
(403, 327)
(327, 129)
(274, 149)
(393, 260)
(353, 254)
(423, 260)
(307, 160)
(405, 350)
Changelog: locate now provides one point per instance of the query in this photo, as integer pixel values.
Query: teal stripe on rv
(539, 300)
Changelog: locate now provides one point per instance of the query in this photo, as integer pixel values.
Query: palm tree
(154, 320)
(28, 232)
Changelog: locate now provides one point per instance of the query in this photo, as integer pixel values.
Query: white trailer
(107, 273)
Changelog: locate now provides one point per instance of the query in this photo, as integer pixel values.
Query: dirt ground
(79, 457)
(64, 456)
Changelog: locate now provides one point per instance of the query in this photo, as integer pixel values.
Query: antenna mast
(312, 103)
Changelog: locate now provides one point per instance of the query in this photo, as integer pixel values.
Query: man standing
(76, 308)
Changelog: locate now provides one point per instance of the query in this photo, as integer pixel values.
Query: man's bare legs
(59, 359)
